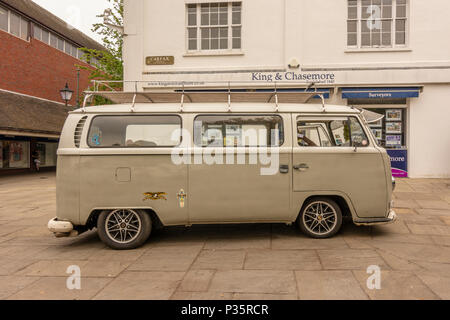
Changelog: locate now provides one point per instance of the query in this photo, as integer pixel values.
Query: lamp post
(78, 87)
(66, 94)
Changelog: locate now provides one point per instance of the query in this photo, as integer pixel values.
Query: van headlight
(393, 184)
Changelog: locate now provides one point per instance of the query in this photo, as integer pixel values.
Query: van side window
(238, 131)
(134, 131)
(330, 132)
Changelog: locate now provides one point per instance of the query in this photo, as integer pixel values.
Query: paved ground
(228, 262)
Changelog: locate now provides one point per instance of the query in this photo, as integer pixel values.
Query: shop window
(47, 153)
(214, 26)
(14, 155)
(331, 132)
(238, 131)
(377, 23)
(391, 130)
(134, 131)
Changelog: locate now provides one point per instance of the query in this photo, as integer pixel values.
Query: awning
(381, 93)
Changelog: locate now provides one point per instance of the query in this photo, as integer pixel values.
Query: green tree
(108, 63)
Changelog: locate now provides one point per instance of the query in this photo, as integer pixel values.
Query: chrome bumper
(391, 218)
(61, 228)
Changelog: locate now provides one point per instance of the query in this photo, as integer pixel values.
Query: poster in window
(394, 115)
(393, 141)
(377, 124)
(19, 154)
(394, 127)
(213, 136)
(378, 133)
(233, 135)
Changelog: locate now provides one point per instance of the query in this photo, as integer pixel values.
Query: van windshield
(134, 131)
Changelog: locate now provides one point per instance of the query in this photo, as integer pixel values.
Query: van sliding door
(242, 175)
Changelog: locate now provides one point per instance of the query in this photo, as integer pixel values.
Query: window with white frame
(214, 26)
(377, 23)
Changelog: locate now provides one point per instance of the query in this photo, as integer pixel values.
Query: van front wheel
(320, 218)
(124, 229)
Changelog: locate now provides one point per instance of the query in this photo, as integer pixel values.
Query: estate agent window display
(390, 131)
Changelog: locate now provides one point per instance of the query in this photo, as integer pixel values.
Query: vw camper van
(185, 158)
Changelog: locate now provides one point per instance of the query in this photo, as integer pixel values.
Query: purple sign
(399, 163)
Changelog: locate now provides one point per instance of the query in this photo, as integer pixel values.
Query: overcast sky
(81, 14)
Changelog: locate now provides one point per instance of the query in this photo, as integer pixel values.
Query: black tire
(136, 237)
(318, 229)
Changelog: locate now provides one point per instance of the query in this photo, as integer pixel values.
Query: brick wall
(37, 69)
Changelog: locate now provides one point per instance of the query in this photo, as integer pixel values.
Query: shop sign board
(399, 163)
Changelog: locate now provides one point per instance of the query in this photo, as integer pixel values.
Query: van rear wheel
(320, 218)
(124, 229)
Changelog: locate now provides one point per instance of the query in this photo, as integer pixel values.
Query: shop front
(391, 130)
(29, 130)
(19, 153)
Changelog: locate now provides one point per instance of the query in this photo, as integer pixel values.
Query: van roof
(218, 108)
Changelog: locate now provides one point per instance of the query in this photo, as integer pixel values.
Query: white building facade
(392, 56)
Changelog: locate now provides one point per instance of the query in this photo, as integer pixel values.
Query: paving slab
(236, 243)
(298, 241)
(433, 204)
(142, 286)
(263, 297)
(397, 285)
(433, 212)
(10, 285)
(416, 252)
(350, 259)
(328, 285)
(55, 288)
(215, 296)
(254, 281)
(282, 260)
(197, 280)
(167, 259)
(220, 260)
(437, 283)
(429, 229)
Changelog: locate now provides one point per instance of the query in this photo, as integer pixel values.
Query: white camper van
(217, 157)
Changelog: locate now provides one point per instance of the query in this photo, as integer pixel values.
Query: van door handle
(284, 169)
(301, 167)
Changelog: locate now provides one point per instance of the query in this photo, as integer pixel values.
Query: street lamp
(66, 94)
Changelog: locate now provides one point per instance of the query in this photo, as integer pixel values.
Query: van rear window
(135, 132)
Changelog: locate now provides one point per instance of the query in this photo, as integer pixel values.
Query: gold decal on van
(155, 196)
(181, 198)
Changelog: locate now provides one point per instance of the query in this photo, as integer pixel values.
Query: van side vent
(79, 131)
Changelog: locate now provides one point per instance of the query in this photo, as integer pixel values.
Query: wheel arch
(342, 201)
(91, 221)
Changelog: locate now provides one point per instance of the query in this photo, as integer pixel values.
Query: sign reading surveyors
(160, 61)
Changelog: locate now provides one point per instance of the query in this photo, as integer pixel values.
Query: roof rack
(201, 92)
